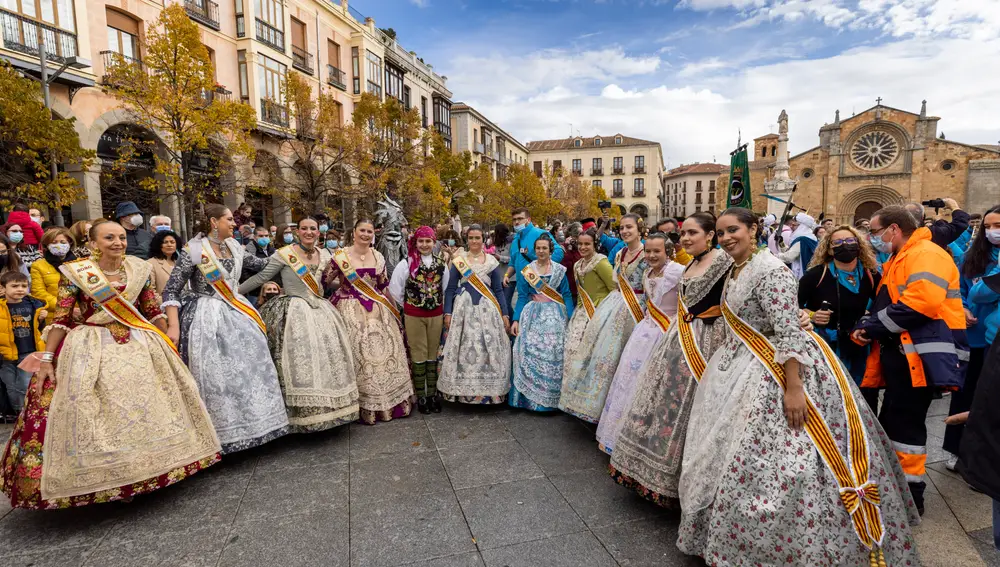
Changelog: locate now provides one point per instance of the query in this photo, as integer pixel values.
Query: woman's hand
(514, 328)
(804, 321)
(506, 324)
(447, 321)
(822, 317)
(795, 406)
(174, 333)
(45, 372)
(970, 319)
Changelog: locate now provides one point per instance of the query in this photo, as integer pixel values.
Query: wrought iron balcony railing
(270, 35)
(21, 34)
(302, 60)
(273, 113)
(204, 11)
(335, 77)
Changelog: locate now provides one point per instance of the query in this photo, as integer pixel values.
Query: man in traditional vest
(918, 325)
(418, 283)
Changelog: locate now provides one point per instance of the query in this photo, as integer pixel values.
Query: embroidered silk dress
(227, 352)
(591, 364)
(310, 347)
(597, 278)
(476, 364)
(661, 290)
(538, 349)
(383, 376)
(123, 418)
(647, 452)
(754, 491)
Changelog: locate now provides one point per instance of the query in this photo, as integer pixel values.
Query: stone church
(878, 157)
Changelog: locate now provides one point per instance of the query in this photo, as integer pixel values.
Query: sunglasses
(842, 241)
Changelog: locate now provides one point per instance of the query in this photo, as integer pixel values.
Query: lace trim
(171, 303)
(48, 328)
(695, 289)
(158, 317)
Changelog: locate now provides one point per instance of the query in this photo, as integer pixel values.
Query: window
(538, 168)
(596, 183)
(618, 166)
(557, 167)
(639, 187)
(393, 82)
(423, 111)
(442, 118)
(339, 112)
(616, 187)
(356, 68)
(773, 151)
(333, 53)
(946, 165)
(406, 97)
(373, 68)
(58, 13)
(578, 166)
(763, 152)
(597, 141)
(271, 12)
(241, 59)
(595, 164)
(711, 186)
(123, 34)
(697, 186)
(578, 143)
(298, 34)
(640, 164)
(618, 140)
(270, 79)
(807, 173)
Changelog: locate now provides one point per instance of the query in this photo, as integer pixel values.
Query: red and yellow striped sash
(210, 268)
(658, 316)
(88, 277)
(588, 303)
(538, 284)
(470, 276)
(859, 495)
(689, 346)
(301, 270)
(360, 284)
(631, 300)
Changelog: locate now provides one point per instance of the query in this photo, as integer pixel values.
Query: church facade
(879, 157)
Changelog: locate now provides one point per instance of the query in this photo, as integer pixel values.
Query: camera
(604, 205)
(934, 203)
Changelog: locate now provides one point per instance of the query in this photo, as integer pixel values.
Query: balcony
(443, 129)
(112, 58)
(335, 77)
(375, 89)
(639, 170)
(617, 193)
(577, 172)
(638, 192)
(219, 93)
(480, 148)
(241, 26)
(273, 113)
(597, 171)
(270, 35)
(618, 171)
(302, 60)
(203, 11)
(21, 34)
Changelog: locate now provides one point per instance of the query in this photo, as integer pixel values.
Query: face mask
(270, 294)
(879, 244)
(323, 228)
(288, 238)
(59, 249)
(451, 242)
(16, 237)
(520, 226)
(846, 253)
(263, 241)
(331, 244)
(136, 220)
(36, 220)
(163, 228)
(993, 236)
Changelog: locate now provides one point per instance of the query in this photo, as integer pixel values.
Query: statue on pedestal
(783, 123)
(389, 220)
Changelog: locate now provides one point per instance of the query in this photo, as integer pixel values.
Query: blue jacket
(525, 291)
(984, 302)
(522, 248)
(960, 246)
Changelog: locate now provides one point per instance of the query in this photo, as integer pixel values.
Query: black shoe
(917, 490)
(423, 406)
(437, 403)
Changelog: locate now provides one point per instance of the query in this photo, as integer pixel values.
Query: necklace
(475, 256)
(362, 256)
(119, 271)
(307, 251)
(698, 257)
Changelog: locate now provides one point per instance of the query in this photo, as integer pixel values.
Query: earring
(96, 255)
(215, 233)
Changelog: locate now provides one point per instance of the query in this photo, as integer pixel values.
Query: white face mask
(136, 220)
(993, 236)
(59, 249)
(37, 220)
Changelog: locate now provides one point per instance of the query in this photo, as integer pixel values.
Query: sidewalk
(473, 486)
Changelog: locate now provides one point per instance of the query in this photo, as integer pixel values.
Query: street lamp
(72, 61)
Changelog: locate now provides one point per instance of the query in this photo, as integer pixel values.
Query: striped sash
(359, 283)
(538, 284)
(470, 276)
(588, 303)
(658, 316)
(859, 495)
(689, 346)
(631, 300)
(210, 268)
(287, 254)
(87, 276)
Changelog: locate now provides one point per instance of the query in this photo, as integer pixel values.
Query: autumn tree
(173, 93)
(578, 199)
(520, 188)
(30, 140)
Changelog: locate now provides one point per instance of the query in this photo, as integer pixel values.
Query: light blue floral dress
(538, 350)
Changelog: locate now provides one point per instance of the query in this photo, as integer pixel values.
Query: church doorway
(866, 210)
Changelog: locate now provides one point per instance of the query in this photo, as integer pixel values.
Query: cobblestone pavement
(470, 487)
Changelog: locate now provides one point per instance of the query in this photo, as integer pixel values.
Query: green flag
(739, 180)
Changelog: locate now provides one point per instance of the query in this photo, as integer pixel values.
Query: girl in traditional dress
(660, 285)
(373, 326)
(595, 279)
(476, 365)
(544, 304)
(116, 413)
(308, 338)
(591, 363)
(647, 452)
(784, 461)
(222, 337)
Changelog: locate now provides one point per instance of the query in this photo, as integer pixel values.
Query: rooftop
(694, 168)
(587, 143)
(460, 107)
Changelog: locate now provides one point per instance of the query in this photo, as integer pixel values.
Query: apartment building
(487, 142)
(254, 45)
(690, 189)
(628, 169)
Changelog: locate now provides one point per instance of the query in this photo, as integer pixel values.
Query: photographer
(943, 232)
(671, 228)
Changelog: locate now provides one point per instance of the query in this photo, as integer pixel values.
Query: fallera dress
(538, 349)
(309, 344)
(591, 364)
(124, 416)
(660, 291)
(385, 391)
(596, 277)
(226, 349)
(476, 361)
(648, 449)
(754, 491)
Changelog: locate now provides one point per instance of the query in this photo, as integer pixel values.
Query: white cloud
(421, 3)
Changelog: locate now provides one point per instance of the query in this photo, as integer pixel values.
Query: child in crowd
(20, 335)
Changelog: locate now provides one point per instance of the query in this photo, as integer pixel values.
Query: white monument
(780, 185)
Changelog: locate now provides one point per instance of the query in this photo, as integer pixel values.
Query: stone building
(489, 144)
(875, 158)
(690, 189)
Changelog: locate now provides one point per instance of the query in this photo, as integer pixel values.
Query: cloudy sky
(690, 74)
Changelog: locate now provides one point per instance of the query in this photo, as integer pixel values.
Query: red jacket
(32, 231)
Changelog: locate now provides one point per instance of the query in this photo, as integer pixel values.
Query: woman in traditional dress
(595, 279)
(476, 365)
(660, 285)
(373, 326)
(591, 363)
(647, 452)
(115, 413)
(308, 338)
(222, 337)
(544, 304)
(784, 461)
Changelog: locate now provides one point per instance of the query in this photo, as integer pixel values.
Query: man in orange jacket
(918, 324)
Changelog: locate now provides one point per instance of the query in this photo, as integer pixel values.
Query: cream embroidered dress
(123, 418)
(310, 346)
(754, 491)
(596, 277)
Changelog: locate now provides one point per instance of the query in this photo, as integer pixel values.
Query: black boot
(917, 490)
(423, 405)
(437, 403)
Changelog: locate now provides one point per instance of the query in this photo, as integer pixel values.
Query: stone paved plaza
(469, 487)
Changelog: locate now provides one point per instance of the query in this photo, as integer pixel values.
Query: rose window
(874, 150)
